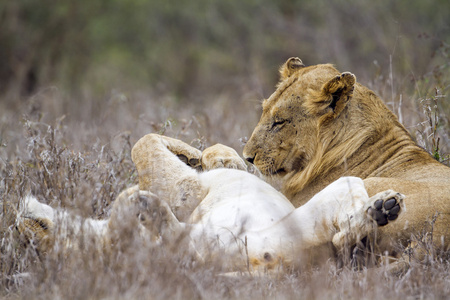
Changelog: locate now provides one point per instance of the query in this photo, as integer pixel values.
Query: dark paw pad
(384, 211)
(183, 158)
(192, 162)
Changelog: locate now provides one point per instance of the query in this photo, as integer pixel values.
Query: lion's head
(311, 123)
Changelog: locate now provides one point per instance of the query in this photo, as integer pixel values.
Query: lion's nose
(250, 159)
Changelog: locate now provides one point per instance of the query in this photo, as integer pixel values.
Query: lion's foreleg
(145, 213)
(342, 213)
(160, 170)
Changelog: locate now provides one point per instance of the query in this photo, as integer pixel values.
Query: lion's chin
(272, 172)
(278, 173)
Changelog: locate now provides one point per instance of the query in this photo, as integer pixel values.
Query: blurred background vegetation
(82, 80)
(80, 58)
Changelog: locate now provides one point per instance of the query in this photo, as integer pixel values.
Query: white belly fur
(241, 207)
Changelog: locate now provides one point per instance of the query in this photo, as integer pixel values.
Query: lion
(320, 124)
(223, 208)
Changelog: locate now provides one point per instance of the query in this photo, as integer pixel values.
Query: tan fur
(320, 125)
(220, 156)
(185, 191)
(290, 67)
(225, 211)
(38, 231)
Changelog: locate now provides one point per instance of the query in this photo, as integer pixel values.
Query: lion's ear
(334, 95)
(290, 66)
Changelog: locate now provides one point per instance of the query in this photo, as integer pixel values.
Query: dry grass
(75, 154)
(81, 81)
(83, 170)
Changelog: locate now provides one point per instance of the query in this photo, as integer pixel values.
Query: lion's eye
(278, 123)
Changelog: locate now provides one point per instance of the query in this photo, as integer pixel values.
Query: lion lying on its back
(224, 211)
(317, 127)
(321, 124)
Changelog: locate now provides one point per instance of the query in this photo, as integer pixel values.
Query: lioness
(225, 210)
(320, 125)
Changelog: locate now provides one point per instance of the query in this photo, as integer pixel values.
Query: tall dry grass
(81, 166)
(72, 151)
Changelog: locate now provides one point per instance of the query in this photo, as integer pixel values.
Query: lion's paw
(380, 209)
(193, 162)
(220, 156)
(155, 214)
(386, 207)
(187, 154)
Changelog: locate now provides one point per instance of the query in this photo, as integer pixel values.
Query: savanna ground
(82, 81)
